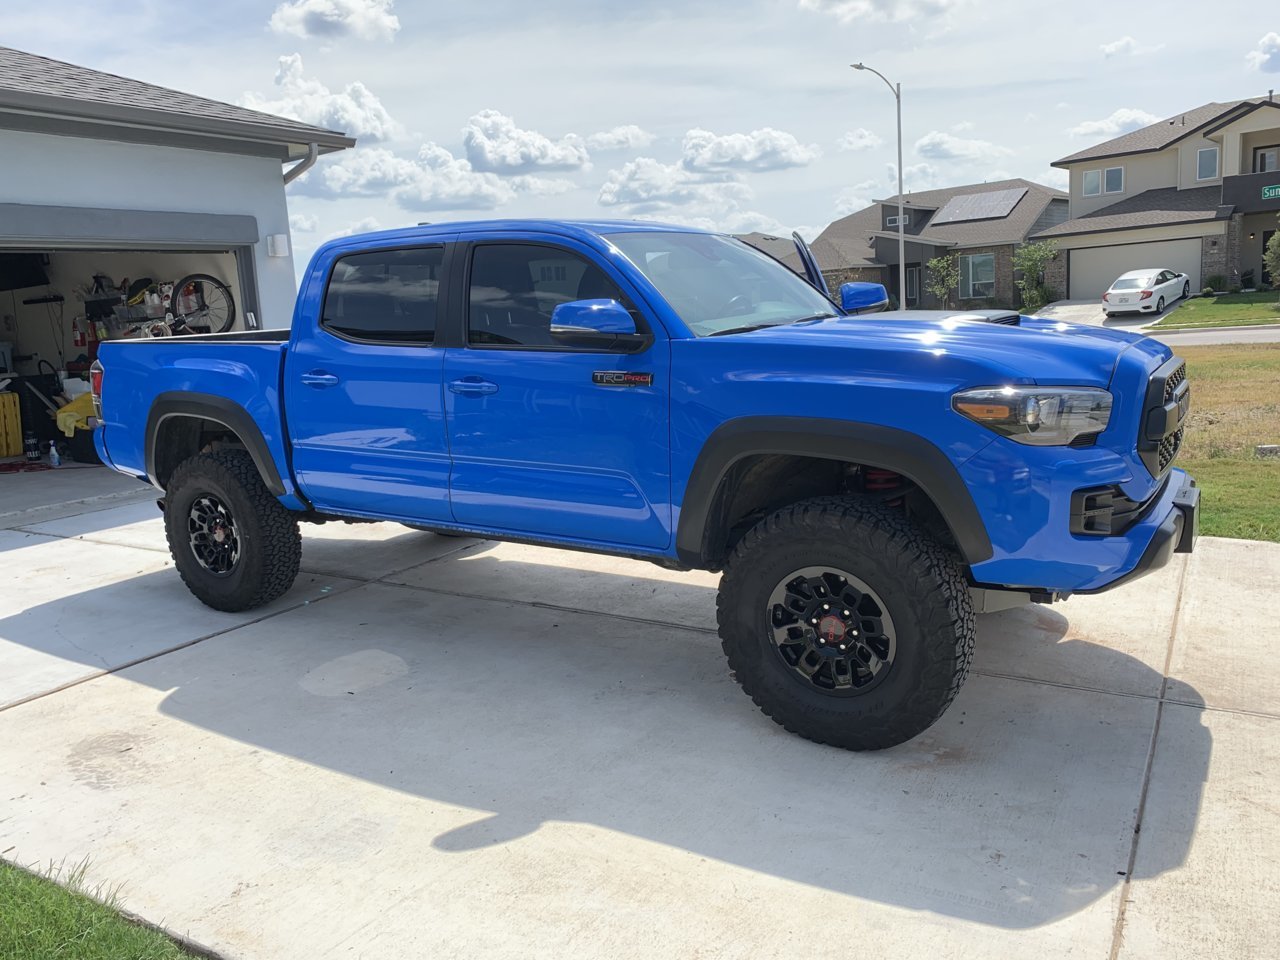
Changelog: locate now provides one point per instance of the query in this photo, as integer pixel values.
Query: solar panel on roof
(979, 206)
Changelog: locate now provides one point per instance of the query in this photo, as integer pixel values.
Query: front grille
(1164, 414)
(1169, 447)
(1171, 382)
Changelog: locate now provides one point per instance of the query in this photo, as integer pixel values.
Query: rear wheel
(1160, 306)
(845, 623)
(235, 545)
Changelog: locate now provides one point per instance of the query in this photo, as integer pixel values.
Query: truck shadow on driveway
(1016, 809)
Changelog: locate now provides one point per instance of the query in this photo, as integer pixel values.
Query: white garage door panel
(1093, 269)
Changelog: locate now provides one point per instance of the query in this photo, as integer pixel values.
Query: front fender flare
(866, 443)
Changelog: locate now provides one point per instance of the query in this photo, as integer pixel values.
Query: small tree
(943, 277)
(1271, 258)
(1031, 259)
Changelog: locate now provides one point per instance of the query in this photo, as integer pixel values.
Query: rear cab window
(385, 296)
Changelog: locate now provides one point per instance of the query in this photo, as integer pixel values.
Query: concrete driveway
(439, 747)
(1090, 312)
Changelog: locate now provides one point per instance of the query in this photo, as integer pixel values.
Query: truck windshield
(720, 285)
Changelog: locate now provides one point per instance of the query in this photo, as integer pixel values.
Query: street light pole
(896, 90)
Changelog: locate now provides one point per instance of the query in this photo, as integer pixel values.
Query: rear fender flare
(228, 413)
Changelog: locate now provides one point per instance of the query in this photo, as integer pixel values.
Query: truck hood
(1035, 350)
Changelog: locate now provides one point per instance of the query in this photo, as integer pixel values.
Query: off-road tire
(269, 541)
(921, 584)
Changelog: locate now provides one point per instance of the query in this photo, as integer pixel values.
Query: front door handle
(473, 387)
(319, 378)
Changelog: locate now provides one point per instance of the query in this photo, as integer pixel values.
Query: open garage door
(1092, 269)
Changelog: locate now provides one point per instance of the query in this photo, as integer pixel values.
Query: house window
(893, 221)
(1266, 159)
(1113, 180)
(977, 276)
(913, 284)
(1207, 163)
(1092, 183)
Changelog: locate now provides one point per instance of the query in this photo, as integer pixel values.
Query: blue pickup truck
(865, 481)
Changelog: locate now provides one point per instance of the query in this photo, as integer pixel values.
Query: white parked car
(1145, 291)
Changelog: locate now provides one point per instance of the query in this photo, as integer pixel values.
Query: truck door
(548, 438)
(362, 386)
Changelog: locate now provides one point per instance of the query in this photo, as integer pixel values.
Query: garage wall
(72, 171)
(1092, 269)
(69, 271)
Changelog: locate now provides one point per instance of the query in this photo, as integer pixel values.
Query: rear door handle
(319, 378)
(473, 387)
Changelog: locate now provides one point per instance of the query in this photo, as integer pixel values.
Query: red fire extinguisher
(77, 334)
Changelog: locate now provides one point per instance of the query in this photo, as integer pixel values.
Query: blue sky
(738, 115)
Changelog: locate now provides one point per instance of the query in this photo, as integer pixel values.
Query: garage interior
(57, 303)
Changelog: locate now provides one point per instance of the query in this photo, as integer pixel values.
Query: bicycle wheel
(202, 300)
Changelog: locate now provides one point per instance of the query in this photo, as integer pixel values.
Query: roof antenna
(1184, 119)
(1270, 93)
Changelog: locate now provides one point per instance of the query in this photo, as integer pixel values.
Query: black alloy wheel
(832, 630)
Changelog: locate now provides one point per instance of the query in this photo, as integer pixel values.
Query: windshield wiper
(762, 326)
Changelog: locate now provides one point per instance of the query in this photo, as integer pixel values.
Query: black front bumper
(1176, 534)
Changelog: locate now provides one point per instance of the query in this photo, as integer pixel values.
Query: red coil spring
(875, 480)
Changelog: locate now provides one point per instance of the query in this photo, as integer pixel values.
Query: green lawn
(1235, 405)
(1228, 310)
(40, 920)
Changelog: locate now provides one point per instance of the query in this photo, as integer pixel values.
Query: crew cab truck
(864, 481)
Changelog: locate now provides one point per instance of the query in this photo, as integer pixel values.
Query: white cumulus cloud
(355, 110)
(1128, 47)
(859, 139)
(433, 180)
(854, 11)
(944, 146)
(1121, 121)
(363, 225)
(303, 223)
(759, 150)
(647, 184)
(495, 144)
(625, 137)
(336, 19)
(1267, 56)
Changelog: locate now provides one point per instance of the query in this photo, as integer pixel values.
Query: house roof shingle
(845, 243)
(1151, 208)
(32, 82)
(1157, 136)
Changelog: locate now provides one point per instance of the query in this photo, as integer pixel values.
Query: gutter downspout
(303, 165)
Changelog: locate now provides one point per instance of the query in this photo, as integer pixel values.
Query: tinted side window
(515, 287)
(385, 295)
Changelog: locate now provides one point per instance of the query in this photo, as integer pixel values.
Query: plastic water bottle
(54, 459)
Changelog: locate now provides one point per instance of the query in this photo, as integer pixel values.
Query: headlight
(1039, 416)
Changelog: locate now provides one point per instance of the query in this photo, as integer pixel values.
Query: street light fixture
(896, 90)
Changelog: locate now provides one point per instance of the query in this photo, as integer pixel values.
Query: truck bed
(144, 377)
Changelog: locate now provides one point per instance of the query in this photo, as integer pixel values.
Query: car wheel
(1186, 290)
(845, 623)
(1160, 306)
(235, 545)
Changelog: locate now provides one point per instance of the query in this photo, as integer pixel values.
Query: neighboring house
(1197, 193)
(103, 174)
(980, 223)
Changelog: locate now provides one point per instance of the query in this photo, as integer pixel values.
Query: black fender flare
(866, 443)
(208, 406)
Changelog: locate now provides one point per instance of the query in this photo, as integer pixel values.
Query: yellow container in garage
(10, 426)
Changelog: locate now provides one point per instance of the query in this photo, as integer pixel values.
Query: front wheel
(1186, 290)
(845, 623)
(235, 545)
